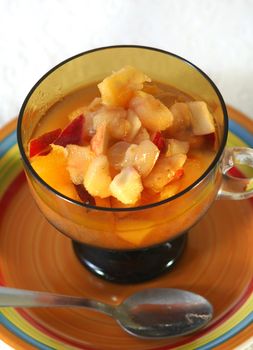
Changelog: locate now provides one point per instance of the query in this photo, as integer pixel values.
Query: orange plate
(217, 263)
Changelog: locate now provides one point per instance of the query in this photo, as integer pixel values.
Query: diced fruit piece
(146, 156)
(133, 231)
(197, 141)
(164, 171)
(169, 190)
(159, 140)
(118, 88)
(141, 136)
(116, 154)
(42, 143)
(103, 202)
(72, 134)
(88, 129)
(201, 119)
(134, 125)
(153, 115)
(78, 160)
(182, 117)
(84, 195)
(129, 159)
(95, 104)
(127, 186)
(175, 147)
(52, 168)
(115, 118)
(115, 203)
(97, 178)
(99, 142)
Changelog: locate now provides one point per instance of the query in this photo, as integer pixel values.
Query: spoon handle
(12, 297)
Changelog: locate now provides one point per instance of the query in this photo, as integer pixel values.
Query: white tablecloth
(217, 35)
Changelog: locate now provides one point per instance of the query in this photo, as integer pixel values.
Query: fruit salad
(128, 146)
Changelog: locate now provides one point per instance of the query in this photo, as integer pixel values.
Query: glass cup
(99, 235)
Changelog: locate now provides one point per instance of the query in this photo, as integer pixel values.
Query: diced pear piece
(181, 117)
(169, 190)
(163, 172)
(116, 154)
(141, 136)
(201, 119)
(146, 155)
(129, 159)
(153, 114)
(78, 160)
(97, 178)
(127, 186)
(119, 88)
(176, 146)
(134, 125)
(99, 142)
(116, 120)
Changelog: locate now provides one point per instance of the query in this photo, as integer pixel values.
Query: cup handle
(233, 187)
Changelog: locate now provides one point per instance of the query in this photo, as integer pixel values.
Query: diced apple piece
(169, 190)
(78, 160)
(127, 186)
(146, 156)
(129, 159)
(119, 126)
(176, 146)
(72, 133)
(119, 88)
(99, 142)
(181, 117)
(116, 154)
(42, 143)
(141, 136)
(164, 171)
(201, 119)
(52, 169)
(116, 120)
(97, 178)
(134, 125)
(153, 115)
(88, 129)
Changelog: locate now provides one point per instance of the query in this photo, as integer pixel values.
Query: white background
(216, 35)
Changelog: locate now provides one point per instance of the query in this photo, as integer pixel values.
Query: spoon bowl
(163, 312)
(150, 313)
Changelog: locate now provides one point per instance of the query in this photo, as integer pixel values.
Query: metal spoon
(150, 313)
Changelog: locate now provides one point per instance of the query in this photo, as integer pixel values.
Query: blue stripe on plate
(232, 332)
(6, 143)
(242, 133)
(13, 329)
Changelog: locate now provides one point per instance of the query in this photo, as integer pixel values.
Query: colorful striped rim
(18, 322)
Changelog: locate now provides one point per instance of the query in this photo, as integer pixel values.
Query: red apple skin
(72, 134)
(159, 141)
(41, 145)
(84, 195)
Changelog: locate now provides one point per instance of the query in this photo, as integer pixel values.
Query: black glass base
(130, 266)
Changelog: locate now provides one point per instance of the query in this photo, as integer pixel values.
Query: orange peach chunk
(52, 168)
